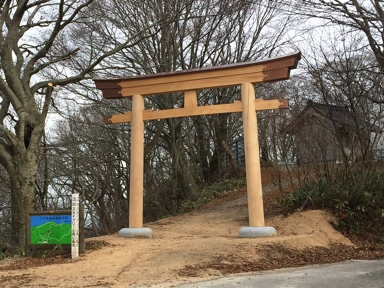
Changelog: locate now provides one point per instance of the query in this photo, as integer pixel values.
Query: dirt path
(202, 238)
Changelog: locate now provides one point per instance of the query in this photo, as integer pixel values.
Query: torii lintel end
(284, 103)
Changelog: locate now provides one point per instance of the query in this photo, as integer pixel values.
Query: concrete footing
(253, 232)
(136, 233)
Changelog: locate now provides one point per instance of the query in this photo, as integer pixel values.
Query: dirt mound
(308, 228)
(199, 244)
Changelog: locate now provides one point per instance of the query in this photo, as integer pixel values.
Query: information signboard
(51, 229)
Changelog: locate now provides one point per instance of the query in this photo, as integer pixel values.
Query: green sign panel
(51, 229)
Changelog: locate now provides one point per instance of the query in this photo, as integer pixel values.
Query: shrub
(216, 190)
(348, 197)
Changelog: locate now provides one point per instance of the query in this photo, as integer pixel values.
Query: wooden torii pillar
(188, 81)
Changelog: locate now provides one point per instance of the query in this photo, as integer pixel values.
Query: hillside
(189, 247)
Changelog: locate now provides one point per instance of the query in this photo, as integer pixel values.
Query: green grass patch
(212, 192)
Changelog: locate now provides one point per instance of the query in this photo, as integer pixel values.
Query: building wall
(315, 144)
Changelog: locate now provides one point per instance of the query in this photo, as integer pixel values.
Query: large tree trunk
(22, 175)
(203, 147)
(184, 184)
(216, 167)
(22, 189)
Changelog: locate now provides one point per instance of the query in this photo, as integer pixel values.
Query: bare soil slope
(188, 248)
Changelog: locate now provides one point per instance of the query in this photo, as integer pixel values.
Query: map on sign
(51, 229)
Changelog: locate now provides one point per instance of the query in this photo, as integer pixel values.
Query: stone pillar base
(136, 233)
(253, 232)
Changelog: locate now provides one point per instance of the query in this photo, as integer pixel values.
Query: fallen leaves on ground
(50, 257)
(276, 256)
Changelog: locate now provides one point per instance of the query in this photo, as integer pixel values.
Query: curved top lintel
(266, 70)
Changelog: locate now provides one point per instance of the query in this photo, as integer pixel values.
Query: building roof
(340, 115)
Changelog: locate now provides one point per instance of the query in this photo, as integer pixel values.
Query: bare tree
(357, 17)
(93, 164)
(340, 138)
(215, 33)
(46, 44)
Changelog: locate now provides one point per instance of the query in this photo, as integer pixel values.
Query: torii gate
(188, 81)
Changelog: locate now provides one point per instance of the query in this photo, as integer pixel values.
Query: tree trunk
(203, 147)
(22, 171)
(22, 180)
(217, 162)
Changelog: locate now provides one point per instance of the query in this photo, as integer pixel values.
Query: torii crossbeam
(189, 81)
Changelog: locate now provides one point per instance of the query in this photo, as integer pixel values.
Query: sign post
(52, 229)
(75, 226)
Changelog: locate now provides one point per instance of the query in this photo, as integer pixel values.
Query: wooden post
(252, 157)
(137, 164)
(75, 225)
(81, 229)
